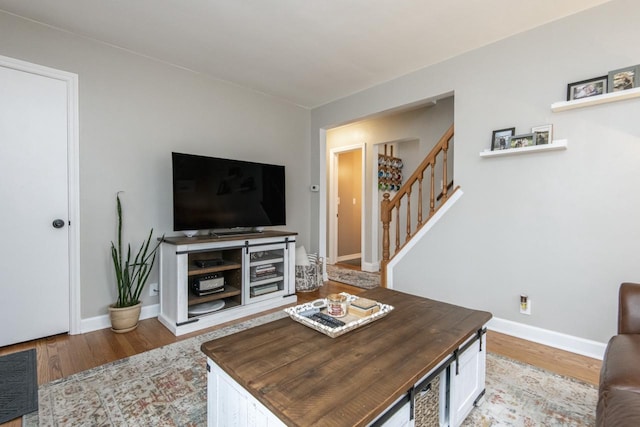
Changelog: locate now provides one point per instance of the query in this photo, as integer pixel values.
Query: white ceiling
(309, 52)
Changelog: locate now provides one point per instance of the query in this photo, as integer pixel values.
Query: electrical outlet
(525, 305)
(153, 289)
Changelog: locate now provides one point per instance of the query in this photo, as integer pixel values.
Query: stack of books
(266, 271)
(363, 307)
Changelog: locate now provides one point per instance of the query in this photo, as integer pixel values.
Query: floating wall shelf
(596, 100)
(559, 144)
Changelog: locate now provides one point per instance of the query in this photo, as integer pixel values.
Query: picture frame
(624, 78)
(542, 134)
(521, 141)
(500, 138)
(587, 88)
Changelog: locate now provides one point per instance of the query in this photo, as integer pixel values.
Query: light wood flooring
(62, 355)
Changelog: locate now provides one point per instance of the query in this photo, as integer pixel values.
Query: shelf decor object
(500, 139)
(624, 78)
(389, 171)
(542, 134)
(351, 321)
(587, 88)
(560, 144)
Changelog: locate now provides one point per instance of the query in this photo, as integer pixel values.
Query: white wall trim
(420, 234)
(102, 322)
(322, 203)
(550, 338)
(73, 190)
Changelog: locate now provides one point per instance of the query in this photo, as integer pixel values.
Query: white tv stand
(258, 270)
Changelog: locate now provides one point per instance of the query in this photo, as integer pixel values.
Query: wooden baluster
(445, 184)
(385, 215)
(408, 215)
(432, 196)
(398, 227)
(420, 178)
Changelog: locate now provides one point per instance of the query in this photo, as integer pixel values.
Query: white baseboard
(348, 257)
(371, 267)
(103, 322)
(554, 339)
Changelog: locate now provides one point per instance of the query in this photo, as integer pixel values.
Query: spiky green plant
(131, 275)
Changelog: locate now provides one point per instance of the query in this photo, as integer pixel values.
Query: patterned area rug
(361, 279)
(523, 395)
(167, 387)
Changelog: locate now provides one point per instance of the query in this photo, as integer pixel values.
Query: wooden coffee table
(288, 374)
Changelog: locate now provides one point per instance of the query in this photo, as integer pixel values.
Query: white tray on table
(351, 321)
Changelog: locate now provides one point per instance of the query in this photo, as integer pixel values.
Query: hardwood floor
(62, 355)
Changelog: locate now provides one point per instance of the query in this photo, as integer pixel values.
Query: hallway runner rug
(361, 279)
(18, 384)
(167, 387)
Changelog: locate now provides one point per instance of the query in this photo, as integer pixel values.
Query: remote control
(327, 320)
(310, 312)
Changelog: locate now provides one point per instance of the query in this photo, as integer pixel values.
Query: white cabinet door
(267, 275)
(467, 381)
(230, 405)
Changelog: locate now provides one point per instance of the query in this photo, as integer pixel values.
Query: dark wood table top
(309, 379)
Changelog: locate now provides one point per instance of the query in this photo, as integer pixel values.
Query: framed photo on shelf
(524, 140)
(624, 78)
(586, 88)
(542, 134)
(501, 138)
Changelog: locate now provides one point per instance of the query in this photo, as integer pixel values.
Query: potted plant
(131, 276)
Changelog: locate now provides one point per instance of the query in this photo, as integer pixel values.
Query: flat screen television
(213, 193)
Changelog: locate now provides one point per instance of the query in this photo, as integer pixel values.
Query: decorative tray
(351, 321)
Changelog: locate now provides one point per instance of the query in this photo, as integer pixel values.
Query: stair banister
(388, 204)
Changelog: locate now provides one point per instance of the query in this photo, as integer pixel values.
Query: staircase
(408, 211)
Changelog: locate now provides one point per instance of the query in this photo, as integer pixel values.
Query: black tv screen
(213, 193)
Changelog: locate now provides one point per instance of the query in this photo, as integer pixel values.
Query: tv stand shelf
(229, 291)
(257, 271)
(194, 270)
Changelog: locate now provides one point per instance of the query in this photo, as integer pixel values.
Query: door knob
(58, 223)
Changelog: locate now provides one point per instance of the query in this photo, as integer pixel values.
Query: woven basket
(427, 405)
(309, 277)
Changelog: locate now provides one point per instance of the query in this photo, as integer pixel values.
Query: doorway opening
(347, 193)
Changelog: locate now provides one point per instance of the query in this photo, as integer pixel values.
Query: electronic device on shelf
(207, 284)
(206, 307)
(211, 262)
(213, 193)
(263, 289)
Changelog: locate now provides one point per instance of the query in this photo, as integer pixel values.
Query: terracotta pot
(124, 319)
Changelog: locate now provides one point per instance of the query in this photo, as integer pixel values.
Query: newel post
(385, 216)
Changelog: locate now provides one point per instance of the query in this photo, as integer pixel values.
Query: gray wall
(561, 226)
(133, 112)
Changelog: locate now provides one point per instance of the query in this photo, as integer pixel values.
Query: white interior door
(34, 256)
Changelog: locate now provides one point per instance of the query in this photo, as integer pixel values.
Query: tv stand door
(267, 272)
